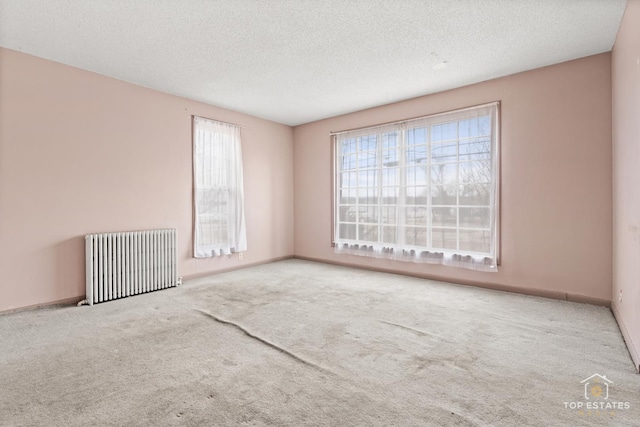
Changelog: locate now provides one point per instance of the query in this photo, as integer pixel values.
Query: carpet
(298, 343)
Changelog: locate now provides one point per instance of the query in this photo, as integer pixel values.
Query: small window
(218, 189)
(423, 190)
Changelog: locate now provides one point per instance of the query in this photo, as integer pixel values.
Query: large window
(218, 189)
(422, 190)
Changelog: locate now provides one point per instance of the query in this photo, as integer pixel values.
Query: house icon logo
(596, 399)
(596, 386)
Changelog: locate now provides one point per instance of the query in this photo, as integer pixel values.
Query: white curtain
(424, 190)
(218, 189)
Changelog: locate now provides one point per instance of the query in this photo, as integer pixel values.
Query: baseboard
(588, 300)
(235, 268)
(496, 287)
(61, 302)
(75, 300)
(633, 350)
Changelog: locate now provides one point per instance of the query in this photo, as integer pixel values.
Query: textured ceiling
(296, 61)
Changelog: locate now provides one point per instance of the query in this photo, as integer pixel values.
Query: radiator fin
(128, 263)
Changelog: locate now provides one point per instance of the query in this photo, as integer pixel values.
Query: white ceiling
(297, 61)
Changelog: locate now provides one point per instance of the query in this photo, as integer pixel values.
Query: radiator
(128, 263)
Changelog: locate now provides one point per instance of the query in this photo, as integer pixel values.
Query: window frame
(496, 132)
(227, 226)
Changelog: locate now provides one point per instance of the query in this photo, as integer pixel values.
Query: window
(422, 190)
(218, 191)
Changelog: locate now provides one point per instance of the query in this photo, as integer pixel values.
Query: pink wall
(556, 180)
(626, 177)
(83, 153)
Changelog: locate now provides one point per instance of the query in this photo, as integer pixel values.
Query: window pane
(348, 196)
(390, 158)
(347, 231)
(416, 236)
(348, 146)
(389, 214)
(389, 177)
(445, 173)
(479, 126)
(475, 217)
(416, 196)
(443, 217)
(444, 238)
(390, 140)
(416, 175)
(416, 154)
(368, 214)
(368, 233)
(213, 229)
(348, 162)
(444, 131)
(366, 196)
(367, 143)
(367, 178)
(389, 235)
(443, 195)
(348, 179)
(475, 172)
(475, 149)
(476, 241)
(475, 194)
(416, 136)
(416, 216)
(465, 127)
(445, 152)
(212, 201)
(347, 213)
(484, 125)
(368, 160)
(343, 180)
(390, 195)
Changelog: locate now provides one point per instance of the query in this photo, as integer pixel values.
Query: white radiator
(129, 263)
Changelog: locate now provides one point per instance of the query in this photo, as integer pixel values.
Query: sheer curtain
(423, 190)
(218, 189)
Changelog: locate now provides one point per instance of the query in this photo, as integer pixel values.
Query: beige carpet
(297, 343)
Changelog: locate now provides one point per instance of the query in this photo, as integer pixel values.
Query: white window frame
(218, 191)
(383, 247)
